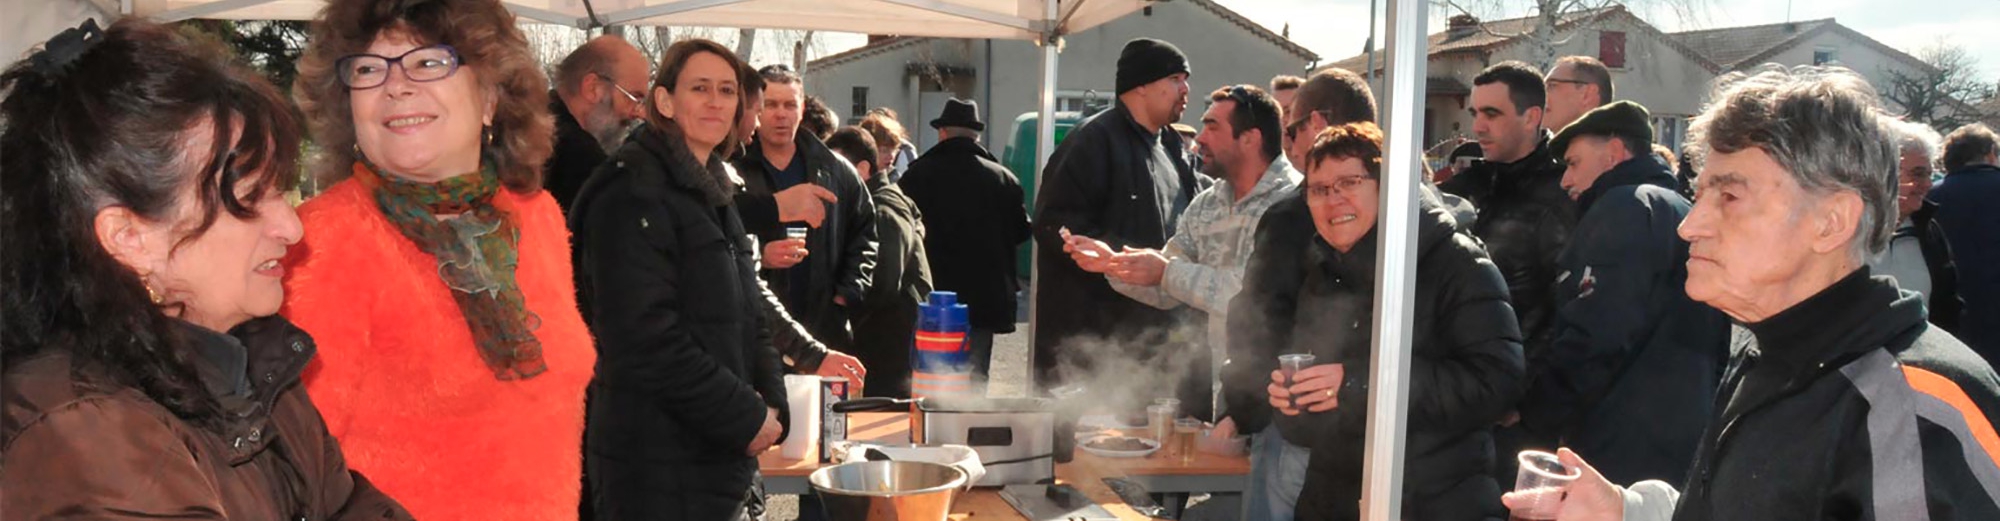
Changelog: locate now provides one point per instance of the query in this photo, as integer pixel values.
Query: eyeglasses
(1551, 81)
(634, 98)
(422, 64)
(1344, 185)
(1921, 173)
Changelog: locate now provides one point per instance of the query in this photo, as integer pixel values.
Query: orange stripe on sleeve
(1944, 389)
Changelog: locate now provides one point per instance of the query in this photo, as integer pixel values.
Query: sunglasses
(1241, 95)
(1292, 129)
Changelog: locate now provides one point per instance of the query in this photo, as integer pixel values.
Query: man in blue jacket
(1972, 228)
(1634, 361)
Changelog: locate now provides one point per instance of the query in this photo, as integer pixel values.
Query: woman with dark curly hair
(437, 275)
(142, 197)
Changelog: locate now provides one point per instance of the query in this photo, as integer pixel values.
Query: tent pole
(1045, 144)
(204, 10)
(1395, 264)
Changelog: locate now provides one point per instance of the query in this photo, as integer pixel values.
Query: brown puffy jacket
(74, 444)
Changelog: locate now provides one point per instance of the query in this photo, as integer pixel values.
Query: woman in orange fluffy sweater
(436, 275)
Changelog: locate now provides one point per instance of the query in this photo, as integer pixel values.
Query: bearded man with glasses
(595, 102)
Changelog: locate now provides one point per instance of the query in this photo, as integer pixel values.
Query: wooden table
(1160, 474)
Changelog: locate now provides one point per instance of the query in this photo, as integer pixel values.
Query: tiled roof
(1499, 33)
(1437, 85)
(1210, 5)
(1743, 47)
(1730, 47)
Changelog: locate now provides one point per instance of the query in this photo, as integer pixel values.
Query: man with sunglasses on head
(1202, 264)
(596, 102)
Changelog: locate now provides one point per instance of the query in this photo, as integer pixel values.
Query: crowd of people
(1785, 319)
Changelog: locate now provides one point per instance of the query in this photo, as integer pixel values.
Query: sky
(1336, 29)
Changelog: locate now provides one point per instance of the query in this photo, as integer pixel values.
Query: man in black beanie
(1116, 181)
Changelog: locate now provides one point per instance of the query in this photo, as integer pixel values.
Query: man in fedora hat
(973, 217)
(1632, 370)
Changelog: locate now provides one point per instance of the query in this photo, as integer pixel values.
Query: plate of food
(1119, 446)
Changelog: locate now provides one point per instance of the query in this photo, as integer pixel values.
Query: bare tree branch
(1949, 95)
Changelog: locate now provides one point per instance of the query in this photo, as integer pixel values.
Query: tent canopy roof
(1003, 19)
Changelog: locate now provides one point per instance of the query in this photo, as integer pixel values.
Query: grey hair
(1911, 136)
(1821, 125)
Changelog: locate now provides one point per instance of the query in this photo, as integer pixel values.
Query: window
(1611, 48)
(860, 107)
(1826, 55)
(1082, 102)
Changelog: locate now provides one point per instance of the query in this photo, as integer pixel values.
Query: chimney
(1461, 26)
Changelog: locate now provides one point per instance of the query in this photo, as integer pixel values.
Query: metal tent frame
(1045, 22)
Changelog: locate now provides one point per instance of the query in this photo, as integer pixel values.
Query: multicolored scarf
(476, 258)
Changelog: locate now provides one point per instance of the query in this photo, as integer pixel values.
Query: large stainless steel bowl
(887, 490)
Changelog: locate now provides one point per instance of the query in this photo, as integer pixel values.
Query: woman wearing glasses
(1466, 368)
(437, 273)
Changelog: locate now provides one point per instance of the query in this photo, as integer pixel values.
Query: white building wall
(1670, 84)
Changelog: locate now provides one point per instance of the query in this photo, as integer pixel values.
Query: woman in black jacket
(1466, 370)
(688, 388)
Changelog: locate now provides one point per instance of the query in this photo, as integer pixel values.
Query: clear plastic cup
(1185, 431)
(1289, 365)
(1160, 418)
(1541, 472)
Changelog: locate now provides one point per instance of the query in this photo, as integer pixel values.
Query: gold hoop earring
(151, 294)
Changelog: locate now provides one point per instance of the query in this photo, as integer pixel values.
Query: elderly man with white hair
(1840, 402)
(1918, 256)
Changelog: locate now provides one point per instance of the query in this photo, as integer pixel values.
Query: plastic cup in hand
(1290, 365)
(795, 232)
(1546, 476)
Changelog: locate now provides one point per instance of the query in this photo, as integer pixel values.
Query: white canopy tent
(1042, 21)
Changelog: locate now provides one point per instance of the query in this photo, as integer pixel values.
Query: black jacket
(1632, 373)
(1466, 371)
(974, 218)
(577, 154)
(685, 367)
(1845, 391)
(1945, 305)
(1525, 217)
(885, 323)
(840, 252)
(1100, 183)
